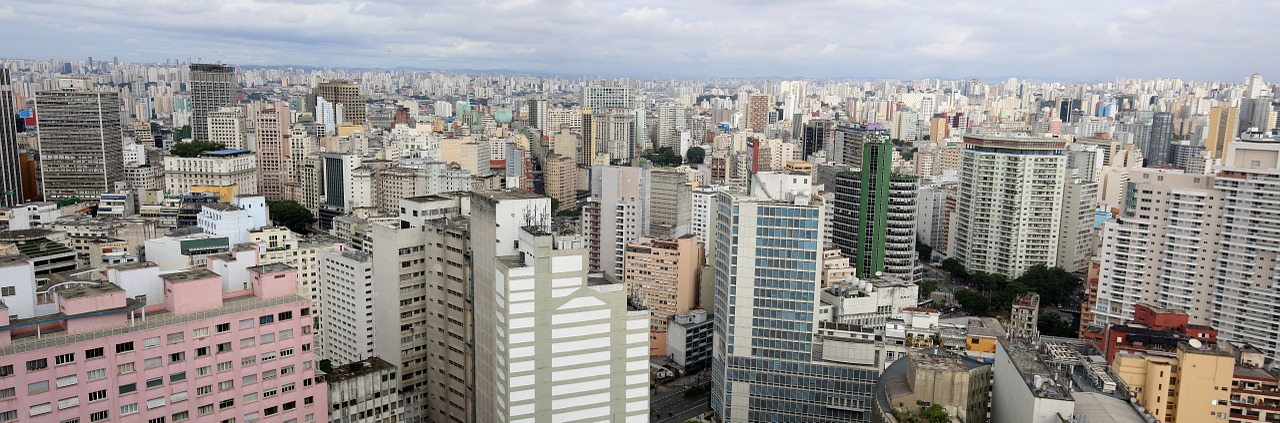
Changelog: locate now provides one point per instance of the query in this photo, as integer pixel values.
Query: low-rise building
(960, 385)
(364, 391)
(689, 340)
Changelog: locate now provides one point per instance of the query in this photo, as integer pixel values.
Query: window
(152, 362)
(128, 409)
(223, 327)
(251, 417)
(288, 387)
(155, 402)
(98, 395)
(156, 420)
(68, 402)
(200, 332)
(96, 374)
(204, 370)
(178, 356)
(226, 385)
(204, 390)
(128, 388)
(98, 416)
(178, 397)
(286, 352)
(269, 374)
(8, 291)
(68, 380)
(37, 364)
(270, 393)
(124, 368)
(61, 359)
(226, 403)
(124, 347)
(224, 366)
(202, 351)
(247, 342)
(180, 416)
(176, 337)
(224, 347)
(268, 356)
(286, 334)
(271, 411)
(246, 323)
(267, 338)
(37, 387)
(286, 370)
(306, 311)
(6, 370)
(151, 342)
(250, 397)
(285, 315)
(155, 382)
(266, 320)
(205, 409)
(290, 405)
(39, 409)
(93, 353)
(250, 379)
(308, 400)
(8, 416)
(177, 377)
(231, 420)
(7, 393)
(248, 361)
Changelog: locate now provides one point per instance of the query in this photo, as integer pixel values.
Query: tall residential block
(212, 88)
(670, 203)
(227, 127)
(1009, 204)
(1222, 129)
(875, 216)
(616, 214)
(1159, 148)
(663, 275)
(561, 181)
(81, 143)
(346, 94)
(271, 130)
(346, 286)
(10, 166)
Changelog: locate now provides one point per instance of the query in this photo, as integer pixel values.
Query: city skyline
(881, 39)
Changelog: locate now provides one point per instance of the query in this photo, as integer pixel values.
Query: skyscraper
(1158, 149)
(10, 167)
(1009, 204)
(538, 114)
(875, 216)
(81, 143)
(817, 133)
(344, 93)
(757, 112)
(272, 136)
(1222, 129)
(212, 87)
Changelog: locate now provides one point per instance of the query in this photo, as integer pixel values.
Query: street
(667, 403)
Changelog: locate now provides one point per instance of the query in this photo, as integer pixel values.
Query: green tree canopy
(927, 286)
(664, 156)
(924, 251)
(695, 155)
(972, 302)
(1054, 284)
(182, 134)
(291, 214)
(194, 148)
(954, 267)
(1051, 324)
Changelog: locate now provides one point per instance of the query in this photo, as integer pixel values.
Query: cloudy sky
(1072, 40)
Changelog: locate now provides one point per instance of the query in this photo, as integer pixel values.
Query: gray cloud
(1078, 40)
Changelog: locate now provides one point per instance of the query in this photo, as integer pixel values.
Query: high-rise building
(1222, 129)
(1076, 237)
(757, 112)
(1158, 150)
(226, 127)
(271, 130)
(80, 138)
(817, 134)
(670, 203)
(617, 134)
(342, 94)
(560, 181)
(10, 166)
(662, 275)
(1009, 204)
(875, 216)
(670, 122)
(599, 96)
(617, 213)
(233, 169)
(212, 87)
(538, 114)
(346, 286)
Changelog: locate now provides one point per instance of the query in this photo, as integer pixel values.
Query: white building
(18, 285)
(617, 214)
(346, 286)
(223, 168)
(704, 198)
(931, 220)
(33, 215)
(226, 126)
(364, 391)
(870, 302)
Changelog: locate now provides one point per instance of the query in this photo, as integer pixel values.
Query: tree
(954, 267)
(290, 214)
(935, 414)
(194, 148)
(927, 286)
(182, 134)
(1054, 285)
(924, 251)
(972, 302)
(664, 156)
(1051, 324)
(695, 155)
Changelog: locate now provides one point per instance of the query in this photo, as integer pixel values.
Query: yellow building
(663, 276)
(225, 193)
(1222, 129)
(1187, 386)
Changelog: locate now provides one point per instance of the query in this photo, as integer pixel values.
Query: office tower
(1256, 113)
(81, 143)
(1222, 129)
(757, 112)
(202, 352)
(875, 216)
(226, 127)
(327, 116)
(1158, 149)
(817, 134)
(271, 129)
(10, 166)
(560, 175)
(616, 214)
(662, 275)
(346, 286)
(1254, 87)
(670, 203)
(600, 96)
(846, 145)
(616, 133)
(766, 259)
(339, 186)
(588, 148)
(236, 170)
(538, 114)
(212, 87)
(343, 94)
(1009, 204)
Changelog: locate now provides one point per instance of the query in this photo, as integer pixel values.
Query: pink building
(203, 355)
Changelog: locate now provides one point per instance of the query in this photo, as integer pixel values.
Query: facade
(346, 286)
(236, 169)
(670, 203)
(10, 165)
(1158, 151)
(931, 218)
(703, 200)
(561, 181)
(1008, 204)
(212, 88)
(616, 214)
(202, 353)
(364, 392)
(662, 276)
(226, 127)
(1185, 386)
(343, 94)
(960, 385)
(689, 340)
(1076, 241)
(875, 216)
(81, 143)
(1024, 316)
(271, 135)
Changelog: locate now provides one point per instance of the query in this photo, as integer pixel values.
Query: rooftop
(89, 290)
(985, 326)
(226, 152)
(221, 207)
(134, 265)
(13, 259)
(189, 275)
(270, 268)
(359, 368)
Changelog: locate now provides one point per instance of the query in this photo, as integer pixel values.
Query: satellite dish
(1196, 343)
